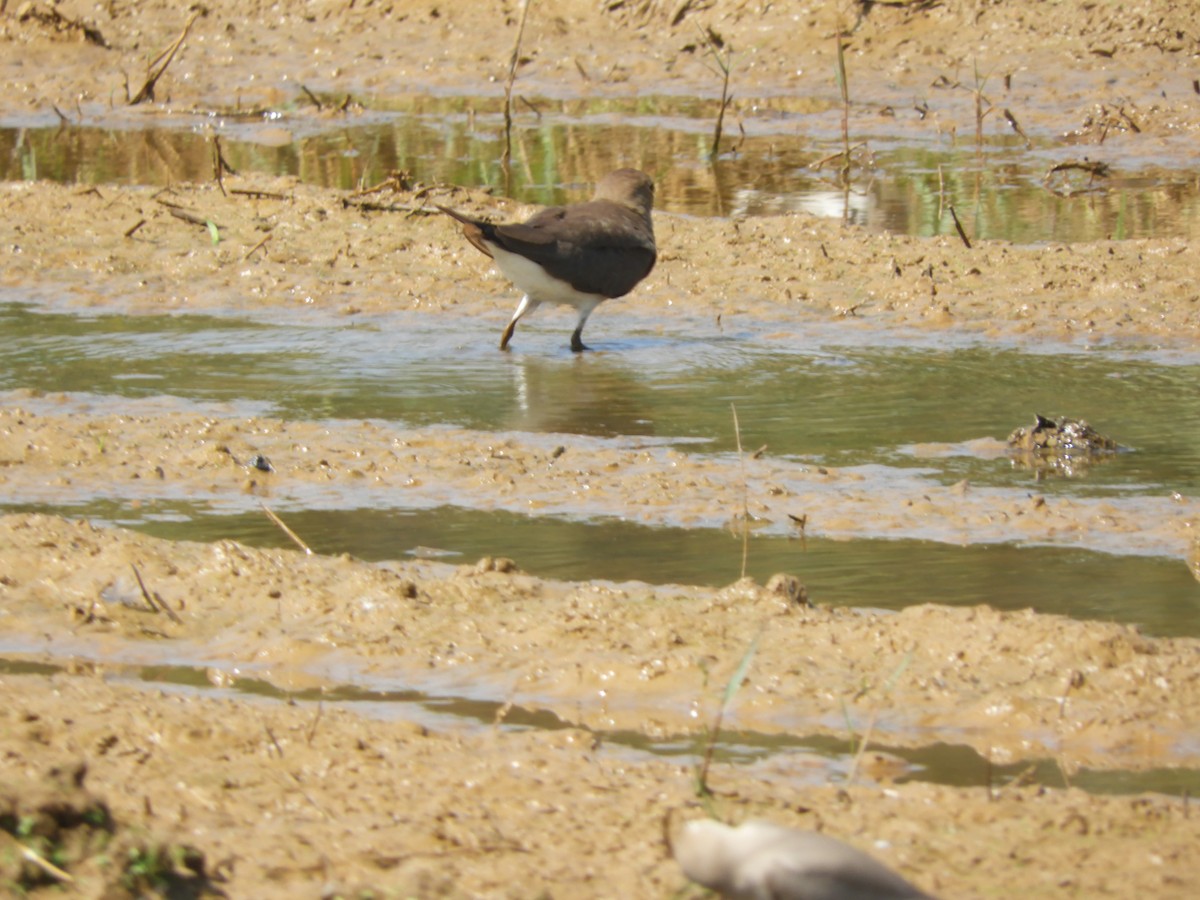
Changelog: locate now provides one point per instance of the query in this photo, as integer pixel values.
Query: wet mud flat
(461, 811)
(255, 797)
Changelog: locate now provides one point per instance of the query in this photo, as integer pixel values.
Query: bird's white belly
(540, 286)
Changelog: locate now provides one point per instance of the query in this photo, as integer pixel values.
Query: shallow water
(879, 405)
(1156, 593)
(812, 759)
(907, 172)
(815, 397)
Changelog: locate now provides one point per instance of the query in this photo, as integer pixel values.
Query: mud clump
(1061, 446)
(54, 832)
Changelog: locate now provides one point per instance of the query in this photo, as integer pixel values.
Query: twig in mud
(1094, 168)
(274, 742)
(312, 729)
(257, 246)
(980, 112)
(312, 98)
(840, 154)
(257, 195)
(1016, 126)
(295, 537)
(715, 44)
(220, 165)
(131, 231)
(155, 602)
(398, 180)
(32, 856)
(184, 215)
(513, 62)
(958, 226)
(844, 89)
(305, 794)
(537, 113)
(163, 60)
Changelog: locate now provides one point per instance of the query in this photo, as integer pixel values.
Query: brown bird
(578, 255)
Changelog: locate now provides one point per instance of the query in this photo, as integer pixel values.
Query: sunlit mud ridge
(70, 458)
(1012, 685)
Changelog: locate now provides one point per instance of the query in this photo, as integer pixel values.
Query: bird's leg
(577, 344)
(523, 307)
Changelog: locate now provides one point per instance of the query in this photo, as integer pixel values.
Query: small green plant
(714, 733)
(737, 433)
(864, 739)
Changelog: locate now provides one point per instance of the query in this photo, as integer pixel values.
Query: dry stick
(130, 232)
(153, 600)
(44, 864)
(184, 215)
(256, 194)
(271, 735)
(508, 85)
(218, 172)
(844, 88)
(295, 537)
(220, 164)
(840, 154)
(257, 246)
(312, 729)
(1016, 126)
(725, 65)
(737, 431)
(958, 225)
(313, 97)
(147, 91)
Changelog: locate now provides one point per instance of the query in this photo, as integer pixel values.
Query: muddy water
(792, 759)
(933, 406)
(1156, 593)
(906, 177)
(891, 410)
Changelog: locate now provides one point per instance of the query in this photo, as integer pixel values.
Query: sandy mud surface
(128, 787)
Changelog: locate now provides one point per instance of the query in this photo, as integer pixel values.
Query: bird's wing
(605, 250)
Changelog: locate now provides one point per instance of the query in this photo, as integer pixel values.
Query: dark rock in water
(1061, 446)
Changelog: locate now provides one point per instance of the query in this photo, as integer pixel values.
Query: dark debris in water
(1062, 446)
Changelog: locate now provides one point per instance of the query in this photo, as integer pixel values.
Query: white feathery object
(762, 861)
